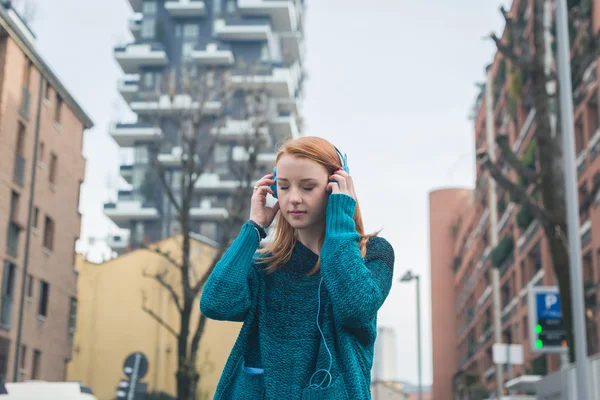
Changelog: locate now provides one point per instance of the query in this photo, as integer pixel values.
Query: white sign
(507, 354)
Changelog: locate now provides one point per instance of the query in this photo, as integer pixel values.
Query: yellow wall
(112, 324)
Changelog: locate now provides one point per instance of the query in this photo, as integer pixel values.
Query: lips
(296, 213)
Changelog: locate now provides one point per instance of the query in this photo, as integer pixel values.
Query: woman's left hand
(343, 184)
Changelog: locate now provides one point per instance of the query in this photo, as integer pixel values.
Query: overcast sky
(389, 82)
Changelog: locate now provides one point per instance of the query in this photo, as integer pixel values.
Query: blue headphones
(343, 158)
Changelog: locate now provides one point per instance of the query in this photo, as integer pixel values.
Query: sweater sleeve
(227, 293)
(357, 287)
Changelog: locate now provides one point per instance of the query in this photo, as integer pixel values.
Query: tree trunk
(187, 381)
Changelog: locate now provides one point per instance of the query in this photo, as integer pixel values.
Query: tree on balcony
(191, 121)
(546, 176)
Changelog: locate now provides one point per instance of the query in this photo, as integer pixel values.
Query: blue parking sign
(548, 306)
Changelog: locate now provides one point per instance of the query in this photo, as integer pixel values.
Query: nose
(295, 196)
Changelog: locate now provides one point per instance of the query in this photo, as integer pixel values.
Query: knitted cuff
(340, 214)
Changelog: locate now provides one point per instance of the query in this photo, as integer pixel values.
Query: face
(302, 192)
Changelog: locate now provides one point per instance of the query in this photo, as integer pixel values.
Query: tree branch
(517, 192)
(160, 171)
(158, 319)
(165, 255)
(511, 159)
(160, 278)
(197, 335)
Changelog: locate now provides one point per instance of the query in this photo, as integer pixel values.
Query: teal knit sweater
(279, 334)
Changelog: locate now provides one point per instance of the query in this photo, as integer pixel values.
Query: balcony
(243, 29)
(284, 127)
(214, 55)
(127, 135)
(19, 169)
(135, 26)
(283, 14)
(151, 103)
(235, 129)
(211, 183)
(293, 45)
(185, 8)
(280, 81)
(129, 86)
(122, 212)
(209, 213)
(133, 56)
(118, 243)
(240, 155)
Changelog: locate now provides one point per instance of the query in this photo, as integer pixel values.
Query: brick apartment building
(41, 137)
(460, 245)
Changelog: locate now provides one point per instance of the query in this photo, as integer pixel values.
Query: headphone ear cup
(274, 186)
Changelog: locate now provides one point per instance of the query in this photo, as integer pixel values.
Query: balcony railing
(19, 169)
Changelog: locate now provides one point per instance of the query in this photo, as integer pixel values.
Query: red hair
(319, 150)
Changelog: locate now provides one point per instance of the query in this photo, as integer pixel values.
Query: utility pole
(563, 59)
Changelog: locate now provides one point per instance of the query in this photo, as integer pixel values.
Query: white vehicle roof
(41, 390)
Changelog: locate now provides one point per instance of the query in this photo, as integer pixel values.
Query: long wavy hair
(279, 251)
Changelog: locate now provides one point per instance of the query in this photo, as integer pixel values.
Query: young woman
(308, 300)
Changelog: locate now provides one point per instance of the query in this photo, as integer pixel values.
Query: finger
(333, 187)
(341, 181)
(264, 182)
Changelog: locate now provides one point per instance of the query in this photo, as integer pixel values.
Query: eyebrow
(301, 180)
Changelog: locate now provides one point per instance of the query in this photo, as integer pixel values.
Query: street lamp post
(407, 277)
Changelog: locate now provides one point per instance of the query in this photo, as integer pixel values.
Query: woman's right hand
(259, 211)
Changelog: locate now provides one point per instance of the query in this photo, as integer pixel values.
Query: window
(14, 206)
(264, 53)
(216, 7)
(41, 151)
(141, 154)
(53, 168)
(36, 217)
(20, 139)
(27, 67)
(29, 286)
(58, 109)
(44, 294)
(35, 367)
(230, 6)
(149, 20)
(8, 294)
(190, 36)
(593, 114)
(579, 136)
(47, 91)
(72, 315)
(22, 364)
(49, 233)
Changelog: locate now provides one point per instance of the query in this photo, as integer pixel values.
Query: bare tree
(197, 107)
(537, 184)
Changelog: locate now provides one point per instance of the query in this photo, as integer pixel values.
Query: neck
(310, 237)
